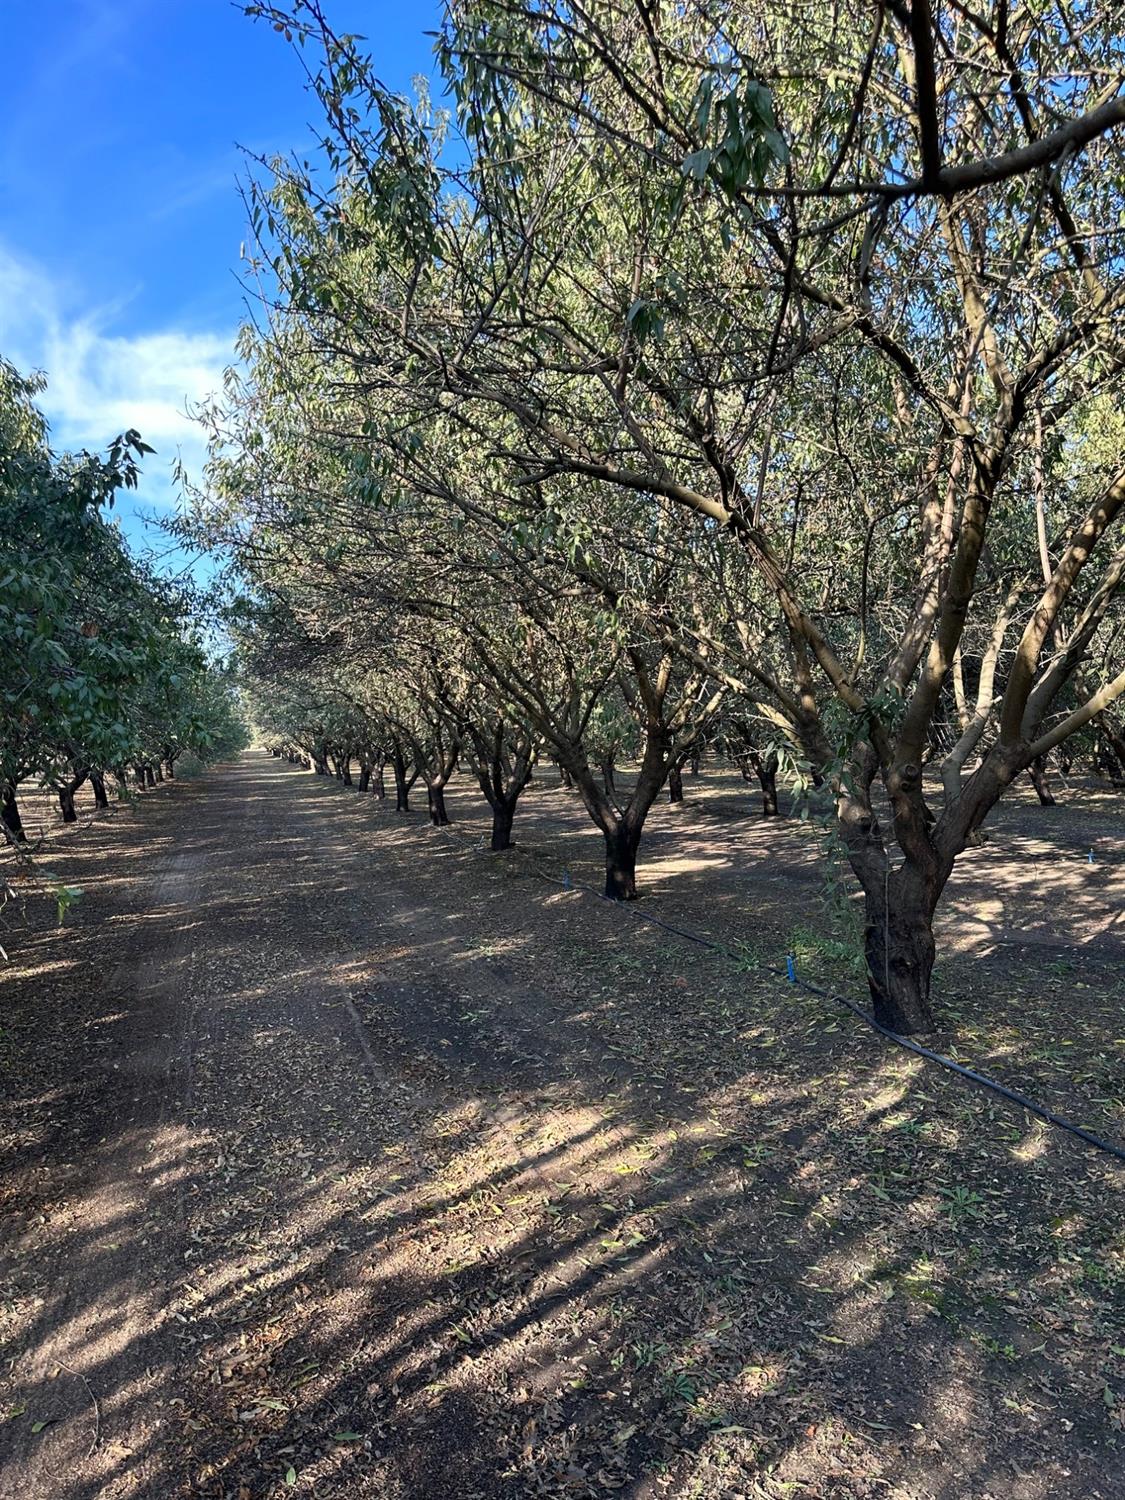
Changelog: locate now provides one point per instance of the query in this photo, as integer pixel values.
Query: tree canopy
(700, 369)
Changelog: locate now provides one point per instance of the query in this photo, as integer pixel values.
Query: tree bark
(364, 776)
(158, 772)
(140, 771)
(66, 802)
(150, 779)
(675, 785)
(621, 845)
(378, 783)
(899, 948)
(1037, 771)
(402, 782)
(608, 777)
(10, 813)
(766, 767)
(503, 816)
(98, 783)
(438, 815)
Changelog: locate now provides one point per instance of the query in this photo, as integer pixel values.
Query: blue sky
(120, 220)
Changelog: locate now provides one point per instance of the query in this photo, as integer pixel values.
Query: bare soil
(342, 1159)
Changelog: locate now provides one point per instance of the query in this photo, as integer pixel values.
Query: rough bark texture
(10, 812)
(621, 845)
(98, 783)
(766, 767)
(439, 817)
(1037, 771)
(503, 816)
(899, 948)
(675, 785)
(403, 782)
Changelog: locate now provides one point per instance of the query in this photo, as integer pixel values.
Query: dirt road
(344, 1161)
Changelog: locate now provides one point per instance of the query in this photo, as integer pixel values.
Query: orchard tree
(674, 268)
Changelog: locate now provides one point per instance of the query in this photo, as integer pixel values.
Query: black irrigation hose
(894, 1036)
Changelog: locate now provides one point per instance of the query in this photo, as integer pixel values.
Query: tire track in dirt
(103, 1334)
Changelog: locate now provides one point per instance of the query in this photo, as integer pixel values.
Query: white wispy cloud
(101, 382)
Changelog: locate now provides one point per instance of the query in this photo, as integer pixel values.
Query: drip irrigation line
(893, 1036)
(790, 974)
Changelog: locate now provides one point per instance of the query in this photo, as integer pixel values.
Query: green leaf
(695, 166)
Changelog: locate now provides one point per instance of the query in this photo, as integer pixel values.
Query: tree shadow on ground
(468, 1196)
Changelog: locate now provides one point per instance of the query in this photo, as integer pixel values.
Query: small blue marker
(791, 968)
(566, 880)
(1090, 857)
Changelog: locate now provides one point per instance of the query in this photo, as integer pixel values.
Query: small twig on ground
(90, 1391)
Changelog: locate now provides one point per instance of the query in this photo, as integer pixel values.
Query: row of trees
(761, 362)
(100, 671)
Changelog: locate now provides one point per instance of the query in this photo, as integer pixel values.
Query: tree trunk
(621, 847)
(364, 776)
(346, 771)
(767, 776)
(98, 783)
(171, 764)
(158, 771)
(150, 779)
(10, 812)
(694, 764)
(66, 802)
(503, 816)
(438, 815)
(899, 947)
(402, 788)
(608, 769)
(1037, 771)
(140, 770)
(566, 780)
(378, 783)
(675, 785)
(1116, 742)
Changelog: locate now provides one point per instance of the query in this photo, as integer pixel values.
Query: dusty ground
(344, 1159)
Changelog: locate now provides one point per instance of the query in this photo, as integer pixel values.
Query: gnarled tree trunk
(1037, 771)
(10, 812)
(404, 780)
(899, 949)
(766, 767)
(621, 845)
(439, 817)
